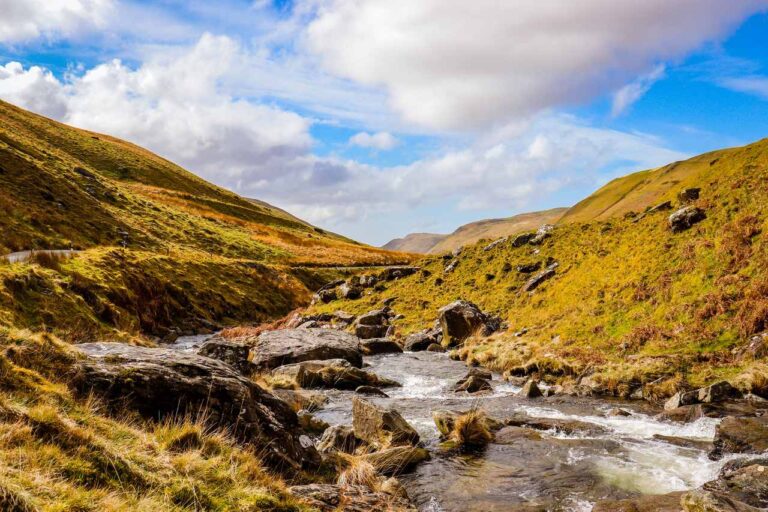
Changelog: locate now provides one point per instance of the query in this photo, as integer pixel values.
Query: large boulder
(165, 383)
(339, 438)
(740, 435)
(349, 498)
(234, 353)
(374, 346)
(522, 239)
(287, 346)
(718, 392)
(367, 332)
(420, 341)
(743, 481)
(461, 319)
(531, 390)
(381, 427)
(686, 217)
(375, 317)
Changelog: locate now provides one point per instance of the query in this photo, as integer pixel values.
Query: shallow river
(553, 471)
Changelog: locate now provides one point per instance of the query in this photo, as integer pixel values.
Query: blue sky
(376, 119)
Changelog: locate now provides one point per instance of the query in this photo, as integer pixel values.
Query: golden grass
(470, 431)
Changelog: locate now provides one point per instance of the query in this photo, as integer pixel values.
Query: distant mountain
(428, 243)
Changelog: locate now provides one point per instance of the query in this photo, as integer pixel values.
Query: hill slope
(428, 243)
(631, 301)
(161, 247)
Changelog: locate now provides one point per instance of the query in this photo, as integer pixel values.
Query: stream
(550, 471)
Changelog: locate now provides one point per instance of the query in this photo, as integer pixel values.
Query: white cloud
(456, 64)
(28, 19)
(755, 85)
(34, 88)
(630, 93)
(382, 140)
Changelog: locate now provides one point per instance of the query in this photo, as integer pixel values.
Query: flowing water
(551, 471)
(548, 472)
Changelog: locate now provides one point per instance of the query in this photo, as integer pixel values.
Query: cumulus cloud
(630, 93)
(28, 19)
(35, 88)
(381, 140)
(452, 64)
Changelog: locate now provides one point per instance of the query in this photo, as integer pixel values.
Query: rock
(233, 353)
(542, 234)
(688, 195)
(539, 278)
(368, 281)
(397, 460)
(375, 317)
(300, 399)
(653, 503)
(339, 438)
(661, 207)
(680, 399)
(310, 424)
(688, 413)
(350, 291)
(287, 346)
(718, 392)
(366, 332)
(445, 421)
(451, 266)
(530, 390)
(393, 487)
(331, 285)
(494, 244)
(701, 500)
(166, 383)
(374, 346)
(479, 372)
(529, 267)
(349, 498)
(473, 385)
(435, 347)
(522, 239)
(459, 320)
(393, 273)
(740, 435)
(327, 296)
(381, 427)
(685, 442)
(744, 481)
(757, 348)
(564, 426)
(420, 341)
(332, 374)
(616, 411)
(686, 217)
(370, 390)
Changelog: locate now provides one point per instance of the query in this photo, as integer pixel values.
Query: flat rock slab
(160, 383)
(289, 346)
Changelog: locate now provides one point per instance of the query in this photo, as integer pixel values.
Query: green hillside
(630, 299)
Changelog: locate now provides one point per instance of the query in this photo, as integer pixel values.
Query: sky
(378, 118)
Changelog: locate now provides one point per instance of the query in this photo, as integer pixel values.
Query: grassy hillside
(161, 247)
(428, 243)
(630, 300)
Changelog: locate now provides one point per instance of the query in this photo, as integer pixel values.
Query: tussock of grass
(470, 431)
(359, 472)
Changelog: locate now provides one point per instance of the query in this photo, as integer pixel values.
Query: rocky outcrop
(494, 244)
(461, 319)
(349, 498)
(160, 383)
(374, 346)
(340, 438)
(536, 281)
(288, 346)
(234, 353)
(522, 239)
(740, 435)
(309, 423)
(381, 427)
(742, 481)
(529, 268)
(542, 234)
(717, 392)
(330, 374)
(653, 503)
(422, 340)
(685, 218)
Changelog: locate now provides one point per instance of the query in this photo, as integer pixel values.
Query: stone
(375, 317)
(420, 341)
(368, 281)
(688, 195)
(350, 291)
(680, 399)
(479, 372)
(617, 411)
(435, 347)
(563, 426)
(393, 487)
(300, 399)
(740, 435)
(535, 281)
(459, 320)
(233, 353)
(288, 346)
(494, 244)
(396, 460)
(331, 374)
(685, 442)
(529, 268)
(530, 390)
(744, 481)
(652, 503)
(349, 498)
(685, 218)
(381, 427)
(661, 207)
(473, 385)
(339, 438)
(327, 296)
(392, 273)
(310, 424)
(451, 266)
(522, 239)
(371, 391)
(366, 332)
(542, 234)
(718, 392)
(700, 500)
(374, 346)
(166, 383)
